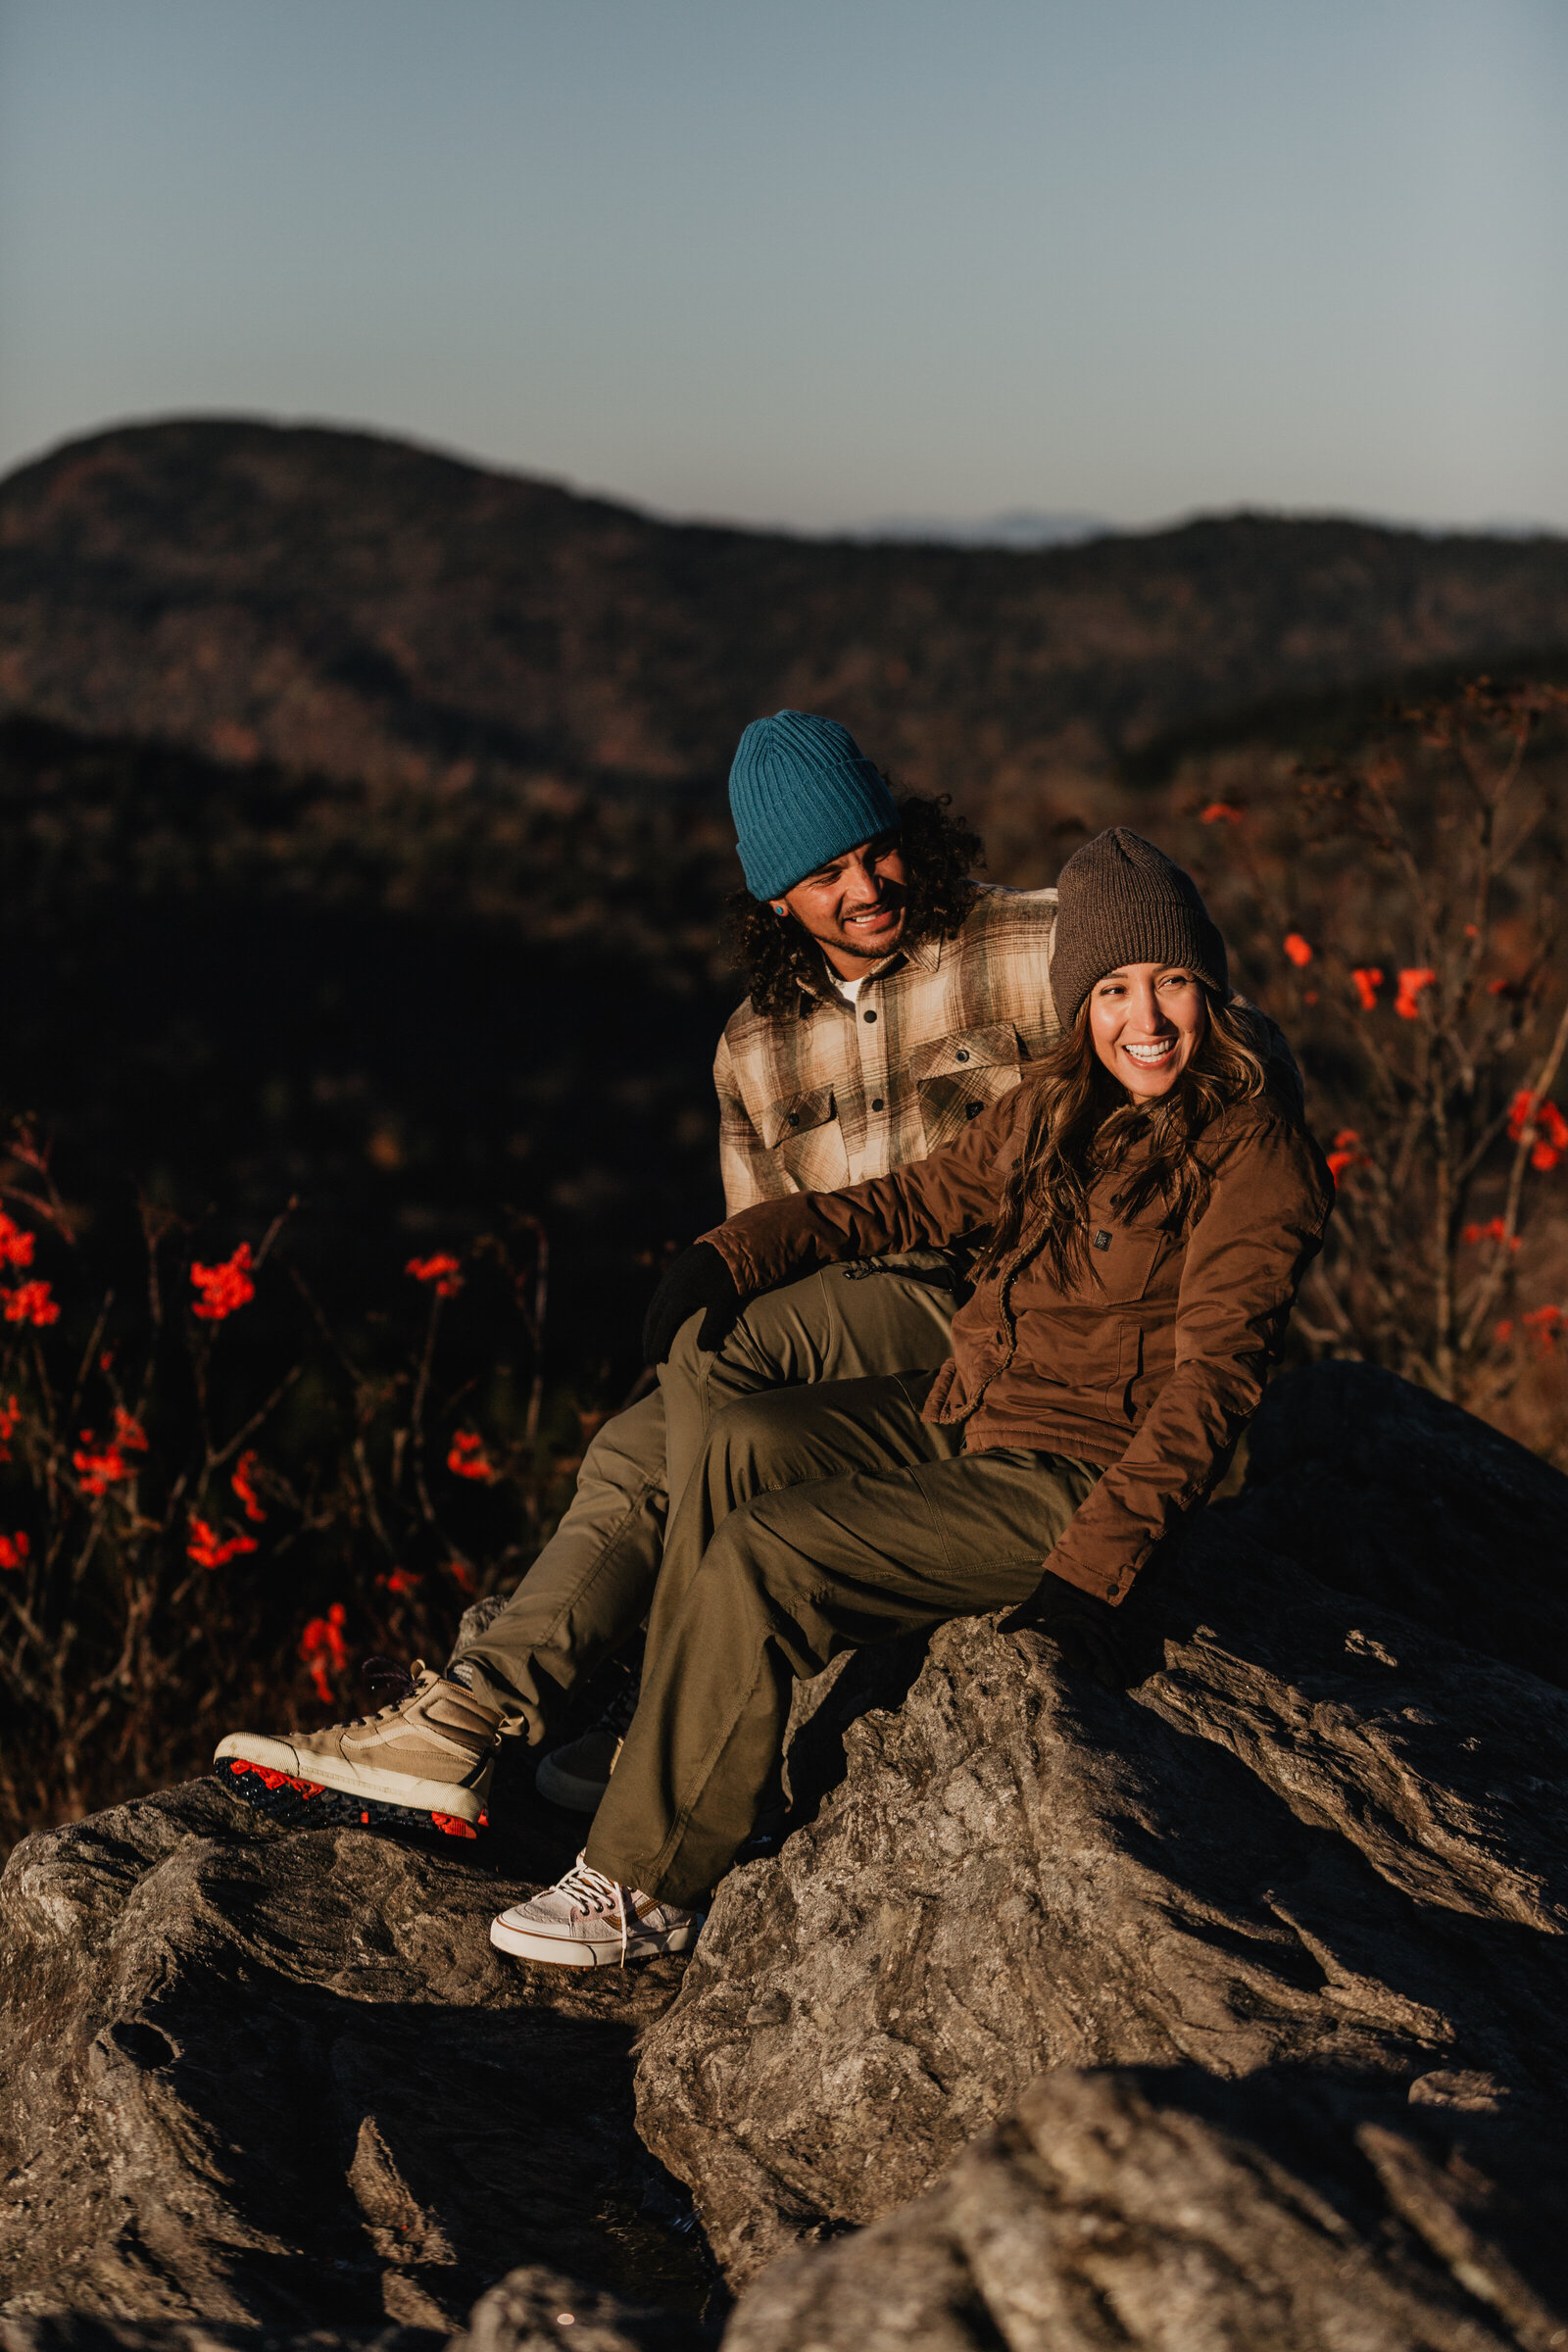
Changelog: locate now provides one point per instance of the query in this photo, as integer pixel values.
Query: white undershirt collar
(850, 990)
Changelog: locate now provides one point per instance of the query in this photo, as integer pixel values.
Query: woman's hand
(698, 1282)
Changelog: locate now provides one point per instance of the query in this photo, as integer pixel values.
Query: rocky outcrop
(284, 2080)
(531, 2310)
(1179, 2213)
(1232, 2009)
(1325, 1834)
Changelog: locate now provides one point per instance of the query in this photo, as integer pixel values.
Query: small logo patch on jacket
(1102, 1239)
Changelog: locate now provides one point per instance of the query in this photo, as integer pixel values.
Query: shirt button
(876, 1102)
(973, 1110)
(794, 1118)
(869, 1016)
(962, 1054)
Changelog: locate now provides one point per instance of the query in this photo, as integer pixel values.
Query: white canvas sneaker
(588, 1921)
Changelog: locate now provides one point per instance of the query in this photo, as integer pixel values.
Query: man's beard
(851, 946)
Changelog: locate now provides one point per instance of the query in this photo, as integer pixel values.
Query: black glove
(698, 1279)
(1091, 1637)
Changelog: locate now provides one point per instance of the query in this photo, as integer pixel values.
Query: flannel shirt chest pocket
(804, 1133)
(957, 1077)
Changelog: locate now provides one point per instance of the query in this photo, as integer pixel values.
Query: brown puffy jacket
(1150, 1362)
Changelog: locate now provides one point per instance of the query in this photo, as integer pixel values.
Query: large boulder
(1325, 1834)
(531, 2310)
(1174, 2212)
(258, 2078)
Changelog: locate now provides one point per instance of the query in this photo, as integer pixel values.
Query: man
(892, 1000)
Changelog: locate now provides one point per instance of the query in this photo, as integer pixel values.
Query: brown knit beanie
(1121, 900)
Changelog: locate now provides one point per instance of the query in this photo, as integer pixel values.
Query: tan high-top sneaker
(424, 1761)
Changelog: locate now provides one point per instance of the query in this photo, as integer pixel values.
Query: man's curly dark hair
(783, 965)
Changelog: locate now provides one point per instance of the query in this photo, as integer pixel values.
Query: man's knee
(626, 1452)
(745, 1437)
(776, 1339)
(686, 1360)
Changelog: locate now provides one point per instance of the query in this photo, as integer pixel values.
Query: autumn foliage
(213, 1504)
(1399, 908)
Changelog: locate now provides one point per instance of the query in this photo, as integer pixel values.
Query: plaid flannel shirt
(836, 1093)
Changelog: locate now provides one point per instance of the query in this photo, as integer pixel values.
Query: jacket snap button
(869, 1016)
(962, 1054)
(973, 1110)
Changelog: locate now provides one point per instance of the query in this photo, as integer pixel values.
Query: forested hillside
(357, 609)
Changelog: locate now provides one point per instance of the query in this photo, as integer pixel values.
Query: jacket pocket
(957, 1077)
(1123, 1258)
(803, 1132)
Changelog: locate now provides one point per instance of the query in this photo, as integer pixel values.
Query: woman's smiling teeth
(1147, 1021)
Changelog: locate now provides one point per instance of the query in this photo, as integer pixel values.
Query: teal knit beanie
(802, 791)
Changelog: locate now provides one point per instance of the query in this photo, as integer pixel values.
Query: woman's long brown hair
(1081, 1123)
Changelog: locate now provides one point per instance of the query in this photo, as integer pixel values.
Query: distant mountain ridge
(353, 607)
(1025, 527)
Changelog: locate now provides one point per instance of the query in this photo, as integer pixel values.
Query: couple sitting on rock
(1045, 1103)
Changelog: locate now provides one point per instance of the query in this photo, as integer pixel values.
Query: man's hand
(697, 1280)
(1091, 1637)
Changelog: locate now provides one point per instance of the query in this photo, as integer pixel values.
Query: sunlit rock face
(1170, 2210)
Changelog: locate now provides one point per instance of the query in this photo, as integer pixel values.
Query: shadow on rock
(283, 2079)
(825, 1709)
(1393, 1496)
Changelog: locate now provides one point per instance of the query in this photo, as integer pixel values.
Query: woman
(1150, 1206)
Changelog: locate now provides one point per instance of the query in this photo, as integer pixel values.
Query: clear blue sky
(815, 260)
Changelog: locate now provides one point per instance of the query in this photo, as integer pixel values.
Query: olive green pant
(817, 1520)
(593, 1584)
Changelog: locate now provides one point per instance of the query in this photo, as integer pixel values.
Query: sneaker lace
(623, 1707)
(588, 1890)
(383, 1674)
